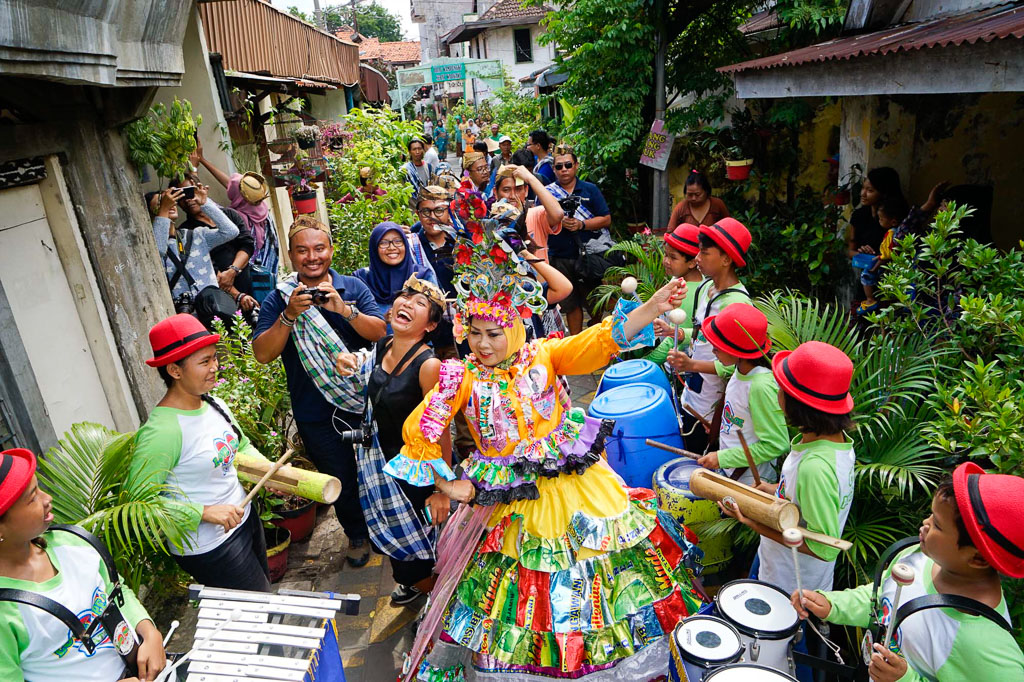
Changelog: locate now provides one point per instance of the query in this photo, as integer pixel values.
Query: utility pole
(355, 17)
(318, 16)
(659, 199)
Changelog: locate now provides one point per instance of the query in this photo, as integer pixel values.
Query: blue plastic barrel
(640, 411)
(633, 372)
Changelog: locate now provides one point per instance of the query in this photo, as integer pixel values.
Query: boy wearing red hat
(680, 261)
(740, 340)
(723, 249)
(817, 474)
(973, 535)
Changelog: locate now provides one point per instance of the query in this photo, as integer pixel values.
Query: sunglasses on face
(436, 212)
(388, 244)
(563, 166)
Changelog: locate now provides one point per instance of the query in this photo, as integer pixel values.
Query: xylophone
(244, 636)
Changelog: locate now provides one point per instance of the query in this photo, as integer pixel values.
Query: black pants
(239, 563)
(411, 572)
(334, 457)
(695, 438)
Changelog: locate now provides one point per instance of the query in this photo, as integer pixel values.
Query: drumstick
(167, 637)
(266, 477)
(793, 538)
(166, 673)
(703, 422)
(628, 286)
(676, 317)
(669, 448)
(903, 575)
(750, 461)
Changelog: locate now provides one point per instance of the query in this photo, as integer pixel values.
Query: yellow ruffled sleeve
(426, 424)
(586, 352)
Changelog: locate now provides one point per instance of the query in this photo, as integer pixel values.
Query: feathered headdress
(492, 281)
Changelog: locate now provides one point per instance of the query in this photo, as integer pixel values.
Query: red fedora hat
(731, 236)
(685, 239)
(992, 507)
(817, 375)
(740, 330)
(178, 337)
(16, 469)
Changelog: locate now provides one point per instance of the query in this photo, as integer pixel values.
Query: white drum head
(706, 640)
(757, 609)
(747, 672)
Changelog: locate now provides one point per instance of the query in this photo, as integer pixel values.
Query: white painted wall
(439, 18)
(920, 10)
(499, 44)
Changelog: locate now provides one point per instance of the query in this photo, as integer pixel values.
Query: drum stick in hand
(793, 538)
(676, 317)
(903, 575)
(266, 477)
(628, 286)
(750, 461)
(670, 448)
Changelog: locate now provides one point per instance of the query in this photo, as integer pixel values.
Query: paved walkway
(373, 643)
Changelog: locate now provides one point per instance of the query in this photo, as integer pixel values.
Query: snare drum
(747, 672)
(765, 619)
(700, 644)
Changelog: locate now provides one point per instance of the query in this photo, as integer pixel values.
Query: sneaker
(404, 595)
(358, 553)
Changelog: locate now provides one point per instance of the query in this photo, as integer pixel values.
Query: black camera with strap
(113, 623)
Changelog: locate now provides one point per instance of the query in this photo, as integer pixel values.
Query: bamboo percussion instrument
(273, 469)
(772, 511)
(669, 448)
(310, 485)
(750, 459)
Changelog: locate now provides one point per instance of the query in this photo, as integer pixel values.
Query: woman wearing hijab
(391, 264)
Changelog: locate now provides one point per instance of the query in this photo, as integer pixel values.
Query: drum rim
(751, 631)
(709, 662)
(784, 676)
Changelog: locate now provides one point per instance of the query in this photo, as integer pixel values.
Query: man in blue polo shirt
(355, 319)
(585, 232)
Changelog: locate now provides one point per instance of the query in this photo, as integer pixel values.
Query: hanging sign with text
(657, 147)
(448, 72)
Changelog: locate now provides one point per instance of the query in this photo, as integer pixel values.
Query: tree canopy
(375, 21)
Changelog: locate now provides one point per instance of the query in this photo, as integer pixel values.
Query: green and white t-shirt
(35, 646)
(660, 352)
(818, 477)
(713, 385)
(939, 644)
(194, 452)
(752, 408)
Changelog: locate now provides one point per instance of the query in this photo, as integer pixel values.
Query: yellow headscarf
(516, 338)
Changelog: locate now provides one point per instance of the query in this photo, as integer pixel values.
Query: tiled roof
(345, 33)
(402, 52)
(512, 9)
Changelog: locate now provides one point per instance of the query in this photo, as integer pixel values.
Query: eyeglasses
(563, 166)
(387, 244)
(438, 212)
(478, 169)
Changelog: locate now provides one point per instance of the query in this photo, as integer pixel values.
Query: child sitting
(890, 214)
(723, 249)
(974, 534)
(739, 336)
(681, 248)
(818, 472)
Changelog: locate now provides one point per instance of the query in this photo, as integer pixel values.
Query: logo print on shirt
(886, 613)
(226, 448)
(729, 419)
(99, 602)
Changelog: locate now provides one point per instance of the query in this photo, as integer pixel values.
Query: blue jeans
(803, 672)
(334, 457)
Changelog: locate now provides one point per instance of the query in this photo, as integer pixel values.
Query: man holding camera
(311, 317)
(578, 251)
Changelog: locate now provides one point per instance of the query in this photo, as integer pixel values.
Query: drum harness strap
(110, 619)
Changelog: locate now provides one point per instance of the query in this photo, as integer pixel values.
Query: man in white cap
(502, 158)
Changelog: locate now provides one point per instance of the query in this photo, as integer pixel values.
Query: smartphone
(189, 192)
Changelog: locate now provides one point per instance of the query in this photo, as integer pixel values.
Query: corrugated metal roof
(1001, 21)
(761, 21)
(255, 37)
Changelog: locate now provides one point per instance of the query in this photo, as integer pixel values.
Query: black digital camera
(319, 295)
(570, 204)
(361, 436)
(184, 303)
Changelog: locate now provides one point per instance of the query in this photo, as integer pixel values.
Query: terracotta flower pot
(299, 522)
(278, 542)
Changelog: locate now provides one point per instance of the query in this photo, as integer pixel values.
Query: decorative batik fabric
(575, 576)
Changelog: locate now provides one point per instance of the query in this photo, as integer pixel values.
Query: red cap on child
(731, 236)
(991, 506)
(17, 467)
(741, 330)
(817, 375)
(685, 239)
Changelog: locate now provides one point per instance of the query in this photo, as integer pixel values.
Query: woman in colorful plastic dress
(558, 571)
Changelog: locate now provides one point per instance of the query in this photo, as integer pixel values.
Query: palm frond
(76, 473)
(793, 319)
(871, 531)
(894, 455)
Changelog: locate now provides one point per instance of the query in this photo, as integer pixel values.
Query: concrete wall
(920, 10)
(439, 17)
(965, 139)
(499, 43)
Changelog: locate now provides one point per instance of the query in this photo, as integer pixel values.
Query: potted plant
(304, 189)
(737, 164)
(297, 515)
(306, 136)
(281, 147)
(334, 136)
(278, 542)
(164, 138)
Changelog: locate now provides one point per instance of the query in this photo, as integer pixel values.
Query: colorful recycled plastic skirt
(585, 582)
